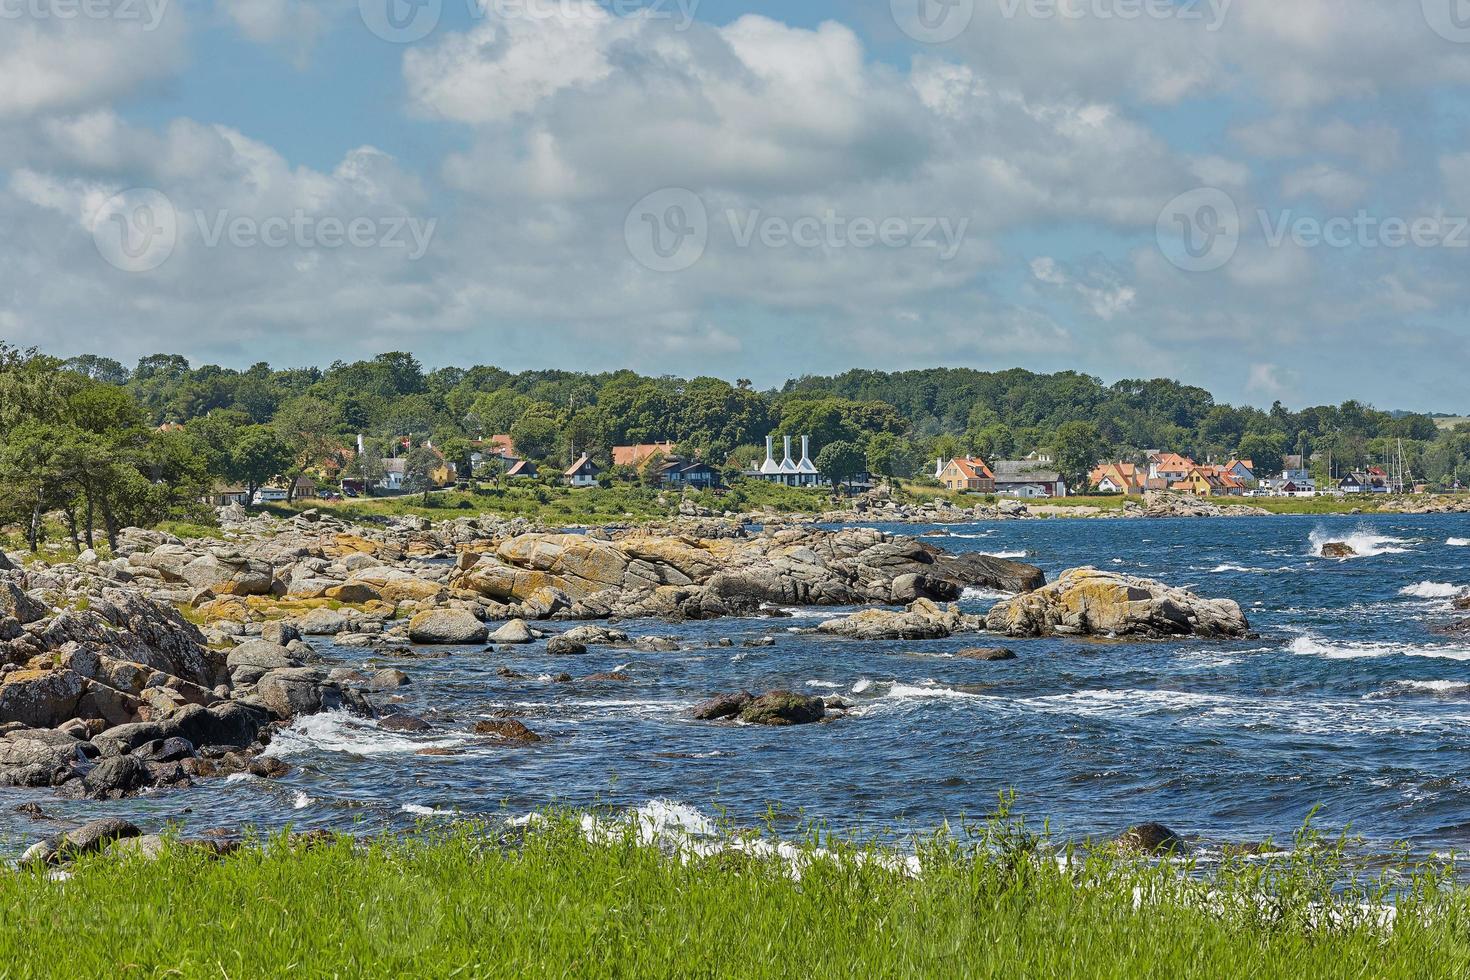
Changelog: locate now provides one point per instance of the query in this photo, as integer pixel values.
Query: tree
(419, 468)
(257, 457)
(838, 461)
(1078, 448)
(1265, 451)
(306, 425)
(535, 437)
(888, 455)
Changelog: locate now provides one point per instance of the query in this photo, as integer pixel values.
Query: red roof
(972, 468)
(639, 454)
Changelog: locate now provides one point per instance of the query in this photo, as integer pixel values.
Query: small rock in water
(1338, 549)
(508, 729)
(722, 706)
(783, 708)
(32, 810)
(986, 653)
(516, 631)
(561, 646)
(760, 641)
(1152, 838)
(404, 723)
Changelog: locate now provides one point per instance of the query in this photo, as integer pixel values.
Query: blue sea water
(1344, 702)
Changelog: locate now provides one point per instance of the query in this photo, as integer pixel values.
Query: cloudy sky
(1263, 197)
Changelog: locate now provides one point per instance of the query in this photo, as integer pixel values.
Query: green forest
(109, 445)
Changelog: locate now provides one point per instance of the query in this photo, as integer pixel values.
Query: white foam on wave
(926, 689)
(687, 833)
(825, 685)
(1364, 542)
(1434, 687)
(426, 811)
(1432, 590)
(1007, 554)
(301, 801)
(1458, 542)
(1309, 645)
(978, 594)
(337, 731)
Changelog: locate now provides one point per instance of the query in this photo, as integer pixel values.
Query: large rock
(722, 706)
(261, 655)
(784, 708)
(224, 571)
(16, 604)
(294, 691)
(1089, 602)
(921, 620)
(40, 698)
(514, 632)
(447, 627)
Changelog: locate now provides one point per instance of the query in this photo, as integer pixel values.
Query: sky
(1266, 198)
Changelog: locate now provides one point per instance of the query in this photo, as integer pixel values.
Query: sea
(1343, 707)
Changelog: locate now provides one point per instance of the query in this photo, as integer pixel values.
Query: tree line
(109, 445)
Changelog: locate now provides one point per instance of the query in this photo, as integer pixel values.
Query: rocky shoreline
(177, 660)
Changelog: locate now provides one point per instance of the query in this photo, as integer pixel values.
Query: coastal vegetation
(611, 897)
(90, 447)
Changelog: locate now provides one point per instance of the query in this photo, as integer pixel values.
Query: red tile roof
(639, 454)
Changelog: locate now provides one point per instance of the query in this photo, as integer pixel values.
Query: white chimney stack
(360, 447)
(788, 449)
(805, 445)
(769, 442)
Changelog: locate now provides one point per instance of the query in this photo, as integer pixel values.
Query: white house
(582, 473)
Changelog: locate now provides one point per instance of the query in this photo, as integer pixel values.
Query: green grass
(468, 903)
(564, 505)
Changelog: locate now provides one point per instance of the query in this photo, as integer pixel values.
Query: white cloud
(55, 64)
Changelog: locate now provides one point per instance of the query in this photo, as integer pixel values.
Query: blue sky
(764, 191)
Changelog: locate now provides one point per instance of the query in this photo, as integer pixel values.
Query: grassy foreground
(464, 903)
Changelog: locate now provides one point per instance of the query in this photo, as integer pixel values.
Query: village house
(1170, 467)
(1027, 479)
(967, 473)
(788, 472)
(672, 469)
(635, 456)
(522, 469)
(582, 473)
(224, 495)
(1125, 478)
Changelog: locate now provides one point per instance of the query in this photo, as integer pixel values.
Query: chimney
(360, 448)
(788, 449)
(769, 441)
(805, 441)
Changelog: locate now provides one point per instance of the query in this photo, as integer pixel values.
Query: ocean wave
(426, 811)
(1434, 687)
(1007, 554)
(1432, 590)
(337, 731)
(976, 593)
(1458, 542)
(1308, 645)
(301, 801)
(1364, 542)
